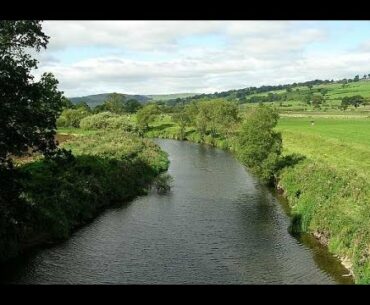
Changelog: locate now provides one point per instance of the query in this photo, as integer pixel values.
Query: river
(218, 225)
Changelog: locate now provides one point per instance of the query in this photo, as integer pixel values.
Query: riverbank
(62, 194)
(329, 203)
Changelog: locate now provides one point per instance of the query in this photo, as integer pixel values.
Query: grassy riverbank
(61, 194)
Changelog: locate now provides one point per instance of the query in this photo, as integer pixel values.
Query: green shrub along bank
(66, 191)
(334, 206)
(108, 120)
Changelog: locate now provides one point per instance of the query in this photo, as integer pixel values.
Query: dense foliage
(63, 192)
(117, 103)
(260, 145)
(72, 117)
(28, 108)
(108, 120)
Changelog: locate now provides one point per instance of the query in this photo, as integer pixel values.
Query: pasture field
(343, 143)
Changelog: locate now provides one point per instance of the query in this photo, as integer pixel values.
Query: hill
(98, 99)
(290, 96)
(166, 97)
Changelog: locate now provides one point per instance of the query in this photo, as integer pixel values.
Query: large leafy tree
(260, 145)
(28, 108)
(28, 113)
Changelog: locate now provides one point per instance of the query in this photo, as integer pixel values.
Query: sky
(162, 57)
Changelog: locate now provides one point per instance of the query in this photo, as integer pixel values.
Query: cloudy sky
(158, 57)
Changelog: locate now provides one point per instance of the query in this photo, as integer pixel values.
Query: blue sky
(157, 57)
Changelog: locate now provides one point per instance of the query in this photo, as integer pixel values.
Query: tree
(28, 108)
(83, 105)
(260, 145)
(132, 106)
(357, 78)
(308, 98)
(317, 100)
(216, 117)
(72, 117)
(183, 119)
(115, 103)
(146, 115)
(66, 103)
(355, 101)
(28, 113)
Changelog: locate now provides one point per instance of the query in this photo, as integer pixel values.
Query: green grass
(341, 143)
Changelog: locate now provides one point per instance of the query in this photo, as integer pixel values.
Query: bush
(108, 120)
(72, 117)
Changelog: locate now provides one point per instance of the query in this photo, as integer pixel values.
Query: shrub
(72, 117)
(108, 120)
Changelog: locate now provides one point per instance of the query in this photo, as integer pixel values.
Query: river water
(218, 225)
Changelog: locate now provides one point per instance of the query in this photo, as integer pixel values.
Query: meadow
(340, 142)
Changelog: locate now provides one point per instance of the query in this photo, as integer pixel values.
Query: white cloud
(255, 53)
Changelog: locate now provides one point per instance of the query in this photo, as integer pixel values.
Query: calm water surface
(218, 225)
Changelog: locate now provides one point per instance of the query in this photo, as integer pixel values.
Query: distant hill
(166, 97)
(98, 99)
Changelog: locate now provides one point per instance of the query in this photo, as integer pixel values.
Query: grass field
(340, 142)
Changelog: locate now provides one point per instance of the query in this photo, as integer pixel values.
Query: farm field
(343, 143)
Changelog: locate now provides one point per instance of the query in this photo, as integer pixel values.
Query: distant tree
(183, 118)
(307, 99)
(216, 117)
(114, 103)
(82, 105)
(132, 106)
(317, 100)
(357, 78)
(66, 103)
(324, 91)
(355, 101)
(365, 76)
(147, 115)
